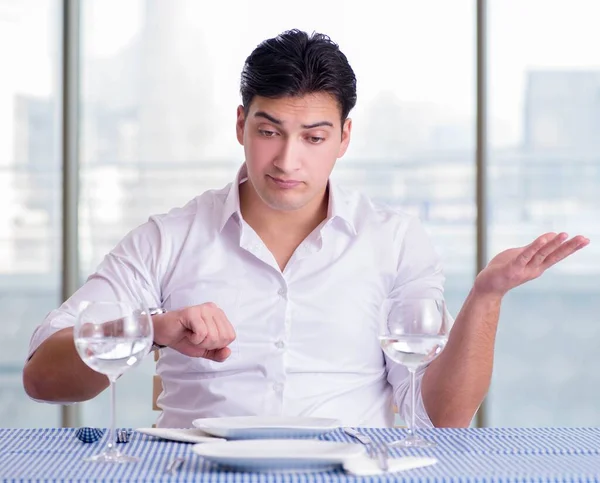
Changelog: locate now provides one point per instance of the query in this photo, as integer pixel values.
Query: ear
(346, 131)
(240, 124)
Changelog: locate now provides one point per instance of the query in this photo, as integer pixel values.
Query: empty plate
(259, 427)
(192, 435)
(279, 455)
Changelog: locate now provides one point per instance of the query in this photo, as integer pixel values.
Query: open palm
(515, 266)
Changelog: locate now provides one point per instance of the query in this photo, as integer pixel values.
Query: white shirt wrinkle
(307, 339)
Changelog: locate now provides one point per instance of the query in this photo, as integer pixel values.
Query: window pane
(160, 91)
(544, 176)
(30, 193)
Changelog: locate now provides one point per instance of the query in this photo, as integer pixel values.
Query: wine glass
(414, 333)
(112, 337)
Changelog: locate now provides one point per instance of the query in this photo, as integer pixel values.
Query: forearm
(56, 373)
(455, 384)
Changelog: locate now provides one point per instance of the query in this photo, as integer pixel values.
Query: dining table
(463, 455)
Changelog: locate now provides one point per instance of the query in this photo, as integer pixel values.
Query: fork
(122, 436)
(175, 464)
(373, 450)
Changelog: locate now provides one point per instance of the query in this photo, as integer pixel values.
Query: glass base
(112, 457)
(413, 442)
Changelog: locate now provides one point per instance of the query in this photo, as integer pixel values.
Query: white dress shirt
(307, 338)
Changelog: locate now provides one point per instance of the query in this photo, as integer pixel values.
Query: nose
(288, 159)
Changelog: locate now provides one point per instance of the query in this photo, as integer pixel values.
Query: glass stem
(413, 402)
(110, 442)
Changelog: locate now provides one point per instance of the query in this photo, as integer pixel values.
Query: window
(544, 97)
(30, 215)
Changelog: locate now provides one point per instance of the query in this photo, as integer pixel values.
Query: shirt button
(278, 387)
(282, 292)
(280, 344)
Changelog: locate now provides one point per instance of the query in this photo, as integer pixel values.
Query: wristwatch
(156, 311)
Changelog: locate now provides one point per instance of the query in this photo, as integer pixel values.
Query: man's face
(291, 145)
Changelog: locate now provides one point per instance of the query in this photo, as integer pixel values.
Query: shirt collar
(231, 206)
(340, 205)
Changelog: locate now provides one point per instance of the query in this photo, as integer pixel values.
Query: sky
(423, 52)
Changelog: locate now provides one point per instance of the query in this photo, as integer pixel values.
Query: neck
(266, 220)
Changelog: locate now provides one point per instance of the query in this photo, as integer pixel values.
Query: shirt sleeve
(419, 274)
(129, 273)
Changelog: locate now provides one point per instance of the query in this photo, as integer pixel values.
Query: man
(274, 285)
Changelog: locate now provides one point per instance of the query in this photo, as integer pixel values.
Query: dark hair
(296, 64)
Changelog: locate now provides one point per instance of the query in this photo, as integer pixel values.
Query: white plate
(258, 427)
(192, 435)
(279, 454)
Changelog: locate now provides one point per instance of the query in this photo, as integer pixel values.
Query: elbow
(444, 412)
(33, 382)
(45, 383)
(38, 381)
(451, 421)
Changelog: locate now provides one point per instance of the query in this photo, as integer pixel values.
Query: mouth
(284, 183)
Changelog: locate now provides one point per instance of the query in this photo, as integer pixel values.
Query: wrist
(156, 313)
(485, 294)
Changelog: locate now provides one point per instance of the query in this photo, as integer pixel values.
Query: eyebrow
(278, 122)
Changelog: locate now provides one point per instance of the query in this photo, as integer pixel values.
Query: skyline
(445, 80)
(140, 106)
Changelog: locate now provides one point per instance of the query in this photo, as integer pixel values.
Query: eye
(315, 139)
(266, 133)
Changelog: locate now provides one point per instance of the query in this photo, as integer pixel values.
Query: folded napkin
(89, 435)
(365, 466)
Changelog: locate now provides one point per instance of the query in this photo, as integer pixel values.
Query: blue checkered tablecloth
(465, 455)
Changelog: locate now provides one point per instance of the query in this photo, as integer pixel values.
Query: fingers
(207, 327)
(189, 349)
(527, 255)
(550, 249)
(564, 250)
(226, 330)
(218, 355)
(552, 243)
(194, 350)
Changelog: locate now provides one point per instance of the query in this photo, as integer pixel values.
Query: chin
(282, 206)
(282, 201)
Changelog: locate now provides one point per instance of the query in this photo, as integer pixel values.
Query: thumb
(217, 355)
(195, 338)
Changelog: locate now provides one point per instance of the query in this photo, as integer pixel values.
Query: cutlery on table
(381, 453)
(174, 466)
